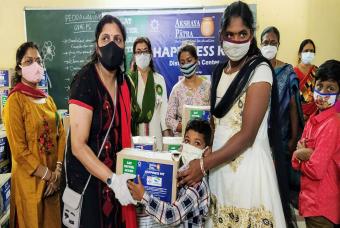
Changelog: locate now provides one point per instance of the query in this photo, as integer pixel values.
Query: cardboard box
(4, 91)
(191, 112)
(3, 144)
(157, 170)
(6, 77)
(172, 143)
(44, 81)
(144, 142)
(4, 221)
(5, 193)
(5, 166)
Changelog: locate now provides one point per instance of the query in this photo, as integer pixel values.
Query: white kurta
(157, 123)
(245, 190)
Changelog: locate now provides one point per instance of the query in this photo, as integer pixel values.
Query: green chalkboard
(65, 38)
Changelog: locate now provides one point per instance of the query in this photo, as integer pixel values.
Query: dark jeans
(318, 222)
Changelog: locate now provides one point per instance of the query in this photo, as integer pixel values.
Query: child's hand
(303, 154)
(136, 190)
(301, 144)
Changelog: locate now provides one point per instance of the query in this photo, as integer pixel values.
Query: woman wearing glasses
(149, 95)
(291, 114)
(37, 141)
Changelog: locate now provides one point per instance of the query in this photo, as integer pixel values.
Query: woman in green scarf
(148, 93)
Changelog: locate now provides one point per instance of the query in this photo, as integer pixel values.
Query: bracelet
(43, 177)
(60, 163)
(202, 167)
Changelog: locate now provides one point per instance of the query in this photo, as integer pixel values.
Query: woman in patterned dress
(37, 141)
(191, 90)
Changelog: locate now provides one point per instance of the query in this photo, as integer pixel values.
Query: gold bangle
(202, 167)
(43, 177)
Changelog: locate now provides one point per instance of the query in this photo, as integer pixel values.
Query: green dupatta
(144, 114)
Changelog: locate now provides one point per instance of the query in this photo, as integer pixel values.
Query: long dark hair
(21, 51)
(242, 10)
(148, 44)
(187, 48)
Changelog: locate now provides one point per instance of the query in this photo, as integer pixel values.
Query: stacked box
(44, 82)
(172, 143)
(3, 144)
(5, 78)
(5, 192)
(191, 112)
(144, 142)
(4, 91)
(157, 170)
(5, 166)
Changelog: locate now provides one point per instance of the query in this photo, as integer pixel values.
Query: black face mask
(111, 56)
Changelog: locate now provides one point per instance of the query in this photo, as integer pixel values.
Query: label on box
(205, 115)
(4, 96)
(143, 146)
(5, 166)
(43, 82)
(3, 152)
(175, 147)
(5, 197)
(4, 78)
(156, 177)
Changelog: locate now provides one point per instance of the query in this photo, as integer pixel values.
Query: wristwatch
(108, 181)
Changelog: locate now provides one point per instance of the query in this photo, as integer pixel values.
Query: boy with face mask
(318, 153)
(192, 203)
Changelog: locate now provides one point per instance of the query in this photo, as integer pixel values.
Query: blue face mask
(189, 69)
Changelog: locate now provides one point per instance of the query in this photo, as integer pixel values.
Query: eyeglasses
(30, 61)
(271, 43)
(139, 52)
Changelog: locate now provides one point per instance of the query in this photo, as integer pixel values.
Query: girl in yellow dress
(37, 139)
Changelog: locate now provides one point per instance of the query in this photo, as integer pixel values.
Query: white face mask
(235, 51)
(269, 51)
(143, 60)
(307, 57)
(190, 153)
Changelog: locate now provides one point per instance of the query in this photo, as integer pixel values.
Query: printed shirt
(320, 175)
(181, 95)
(189, 210)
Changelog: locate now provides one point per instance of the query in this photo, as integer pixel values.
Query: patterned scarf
(27, 90)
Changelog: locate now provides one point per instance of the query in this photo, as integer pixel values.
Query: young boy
(192, 203)
(318, 153)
